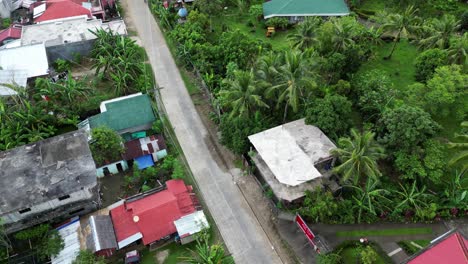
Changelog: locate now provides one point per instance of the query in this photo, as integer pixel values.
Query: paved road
(241, 231)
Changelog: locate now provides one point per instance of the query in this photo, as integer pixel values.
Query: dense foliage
(106, 145)
(320, 77)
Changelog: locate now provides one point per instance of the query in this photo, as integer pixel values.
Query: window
(24, 210)
(76, 211)
(61, 198)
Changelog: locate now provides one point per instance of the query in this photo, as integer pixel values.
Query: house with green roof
(296, 10)
(125, 115)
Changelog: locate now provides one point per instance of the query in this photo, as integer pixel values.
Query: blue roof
(144, 161)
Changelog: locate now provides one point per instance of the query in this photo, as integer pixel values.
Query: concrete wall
(67, 51)
(112, 168)
(79, 203)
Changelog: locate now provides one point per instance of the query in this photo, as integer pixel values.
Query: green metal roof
(278, 8)
(126, 113)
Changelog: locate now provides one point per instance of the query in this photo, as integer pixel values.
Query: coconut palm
(242, 95)
(462, 148)
(412, 197)
(358, 156)
(439, 32)
(267, 68)
(370, 197)
(304, 35)
(458, 50)
(295, 81)
(401, 25)
(343, 34)
(205, 253)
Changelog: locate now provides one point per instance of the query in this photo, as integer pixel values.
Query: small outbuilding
(296, 10)
(293, 158)
(101, 237)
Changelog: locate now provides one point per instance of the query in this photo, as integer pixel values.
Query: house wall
(112, 168)
(67, 51)
(105, 252)
(135, 129)
(79, 203)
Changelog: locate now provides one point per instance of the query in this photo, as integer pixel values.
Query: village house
(48, 180)
(293, 158)
(15, 71)
(159, 216)
(125, 115)
(57, 9)
(451, 247)
(10, 34)
(64, 38)
(297, 10)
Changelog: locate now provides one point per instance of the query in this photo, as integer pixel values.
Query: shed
(189, 225)
(70, 235)
(101, 239)
(296, 10)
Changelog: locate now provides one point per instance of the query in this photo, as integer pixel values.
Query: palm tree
(304, 35)
(295, 81)
(343, 34)
(439, 32)
(267, 68)
(205, 253)
(370, 197)
(456, 194)
(412, 197)
(458, 50)
(359, 156)
(242, 96)
(462, 147)
(404, 25)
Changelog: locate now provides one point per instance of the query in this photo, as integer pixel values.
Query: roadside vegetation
(387, 84)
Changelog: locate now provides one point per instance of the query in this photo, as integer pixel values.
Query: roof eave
(301, 15)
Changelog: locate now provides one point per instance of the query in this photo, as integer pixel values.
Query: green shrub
(6, 22)
(33, 232)
(277, 22)
(62, 65)
(464, 21)
(427, 62)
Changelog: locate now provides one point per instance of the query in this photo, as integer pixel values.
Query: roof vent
(136, 219)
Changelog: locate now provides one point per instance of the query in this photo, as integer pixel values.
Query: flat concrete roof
(68, 31)
(291, 150)
(45, 170)
(32, 58)
(283, 191)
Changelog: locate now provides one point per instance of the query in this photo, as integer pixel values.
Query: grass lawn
(400, 67)
(385, 232)
(351, 255)
(176, 251)
(234, 21)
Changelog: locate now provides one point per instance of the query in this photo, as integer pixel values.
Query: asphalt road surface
(241, 231)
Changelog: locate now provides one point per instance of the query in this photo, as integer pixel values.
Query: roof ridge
(461, 241)
(287, 2)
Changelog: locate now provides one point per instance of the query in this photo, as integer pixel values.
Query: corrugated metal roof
(280, 8)
(127, 113)
(12, 77)
(69, 233)
(32, 58)
(191, 224)
(102, 234)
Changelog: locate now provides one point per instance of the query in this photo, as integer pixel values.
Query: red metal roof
(450, 250)
(13, 32)
(156, 213)
(133, 148)
(56, 9)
